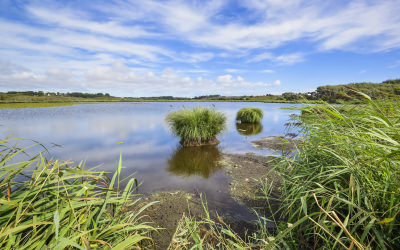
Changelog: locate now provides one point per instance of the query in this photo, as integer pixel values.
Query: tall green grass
(249, 115)
(345, 179)
(197, 126)
(340, 190)
(47, 204)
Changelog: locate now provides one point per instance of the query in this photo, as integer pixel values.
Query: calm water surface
(98, 133)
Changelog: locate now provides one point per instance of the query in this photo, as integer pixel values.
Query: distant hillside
(389, 89)
(333, 93)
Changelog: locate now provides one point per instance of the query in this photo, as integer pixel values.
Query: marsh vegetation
(249, 115)
(48, 204)
(197, 126)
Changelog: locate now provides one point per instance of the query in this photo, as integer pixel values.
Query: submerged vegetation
(47, 204)
(197, 126)
(249, 115)
(340, 190)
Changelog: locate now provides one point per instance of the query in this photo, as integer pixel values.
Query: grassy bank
(47, 204)
(341, 190)
(39, 104)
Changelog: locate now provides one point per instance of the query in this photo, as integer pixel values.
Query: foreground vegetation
(47, 204)
(340, 190)
(197, 126)
(249, 115)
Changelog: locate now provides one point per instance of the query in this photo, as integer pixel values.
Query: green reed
(48, 204)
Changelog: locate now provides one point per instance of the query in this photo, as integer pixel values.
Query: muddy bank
(276, 143)
(249, 172)
(167, 212)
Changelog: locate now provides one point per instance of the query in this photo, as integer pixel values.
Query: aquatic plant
(48, 204)
(248, 129)
(197, 126)
(249, 115)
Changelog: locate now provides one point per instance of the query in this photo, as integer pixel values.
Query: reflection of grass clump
(248, 129)
(197, 126)
(249, 115)
(201, 161)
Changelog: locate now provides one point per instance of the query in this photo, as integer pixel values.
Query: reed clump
(197, 126)
(47, 204)
(249, 115)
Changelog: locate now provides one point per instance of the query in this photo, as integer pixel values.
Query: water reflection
(202, 161)
(248, 129)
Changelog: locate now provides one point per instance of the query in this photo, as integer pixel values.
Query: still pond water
(98, 133)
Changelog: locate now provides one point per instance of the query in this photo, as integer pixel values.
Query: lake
(99, 133)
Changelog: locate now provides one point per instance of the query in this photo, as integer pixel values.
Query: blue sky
(190, 48)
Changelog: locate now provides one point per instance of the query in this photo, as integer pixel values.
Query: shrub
(197, 126)
(249, 115)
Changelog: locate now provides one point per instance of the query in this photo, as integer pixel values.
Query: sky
(191, 48)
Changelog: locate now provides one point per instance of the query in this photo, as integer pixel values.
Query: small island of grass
(249, 115)
(197, 126)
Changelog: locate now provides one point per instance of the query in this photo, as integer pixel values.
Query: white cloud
(268, 71)
(69, 19)
(60, 42)
(261, 57)
(169, 80)
(284, 59)
(16, 77)
(119, 78)
(332, 26)
(290, 58)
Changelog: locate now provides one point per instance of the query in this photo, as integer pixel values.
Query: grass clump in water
(197, 126)
(249, 115)
(47, 204)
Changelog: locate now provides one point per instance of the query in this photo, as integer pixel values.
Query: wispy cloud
(86, 39)
(284, 59)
